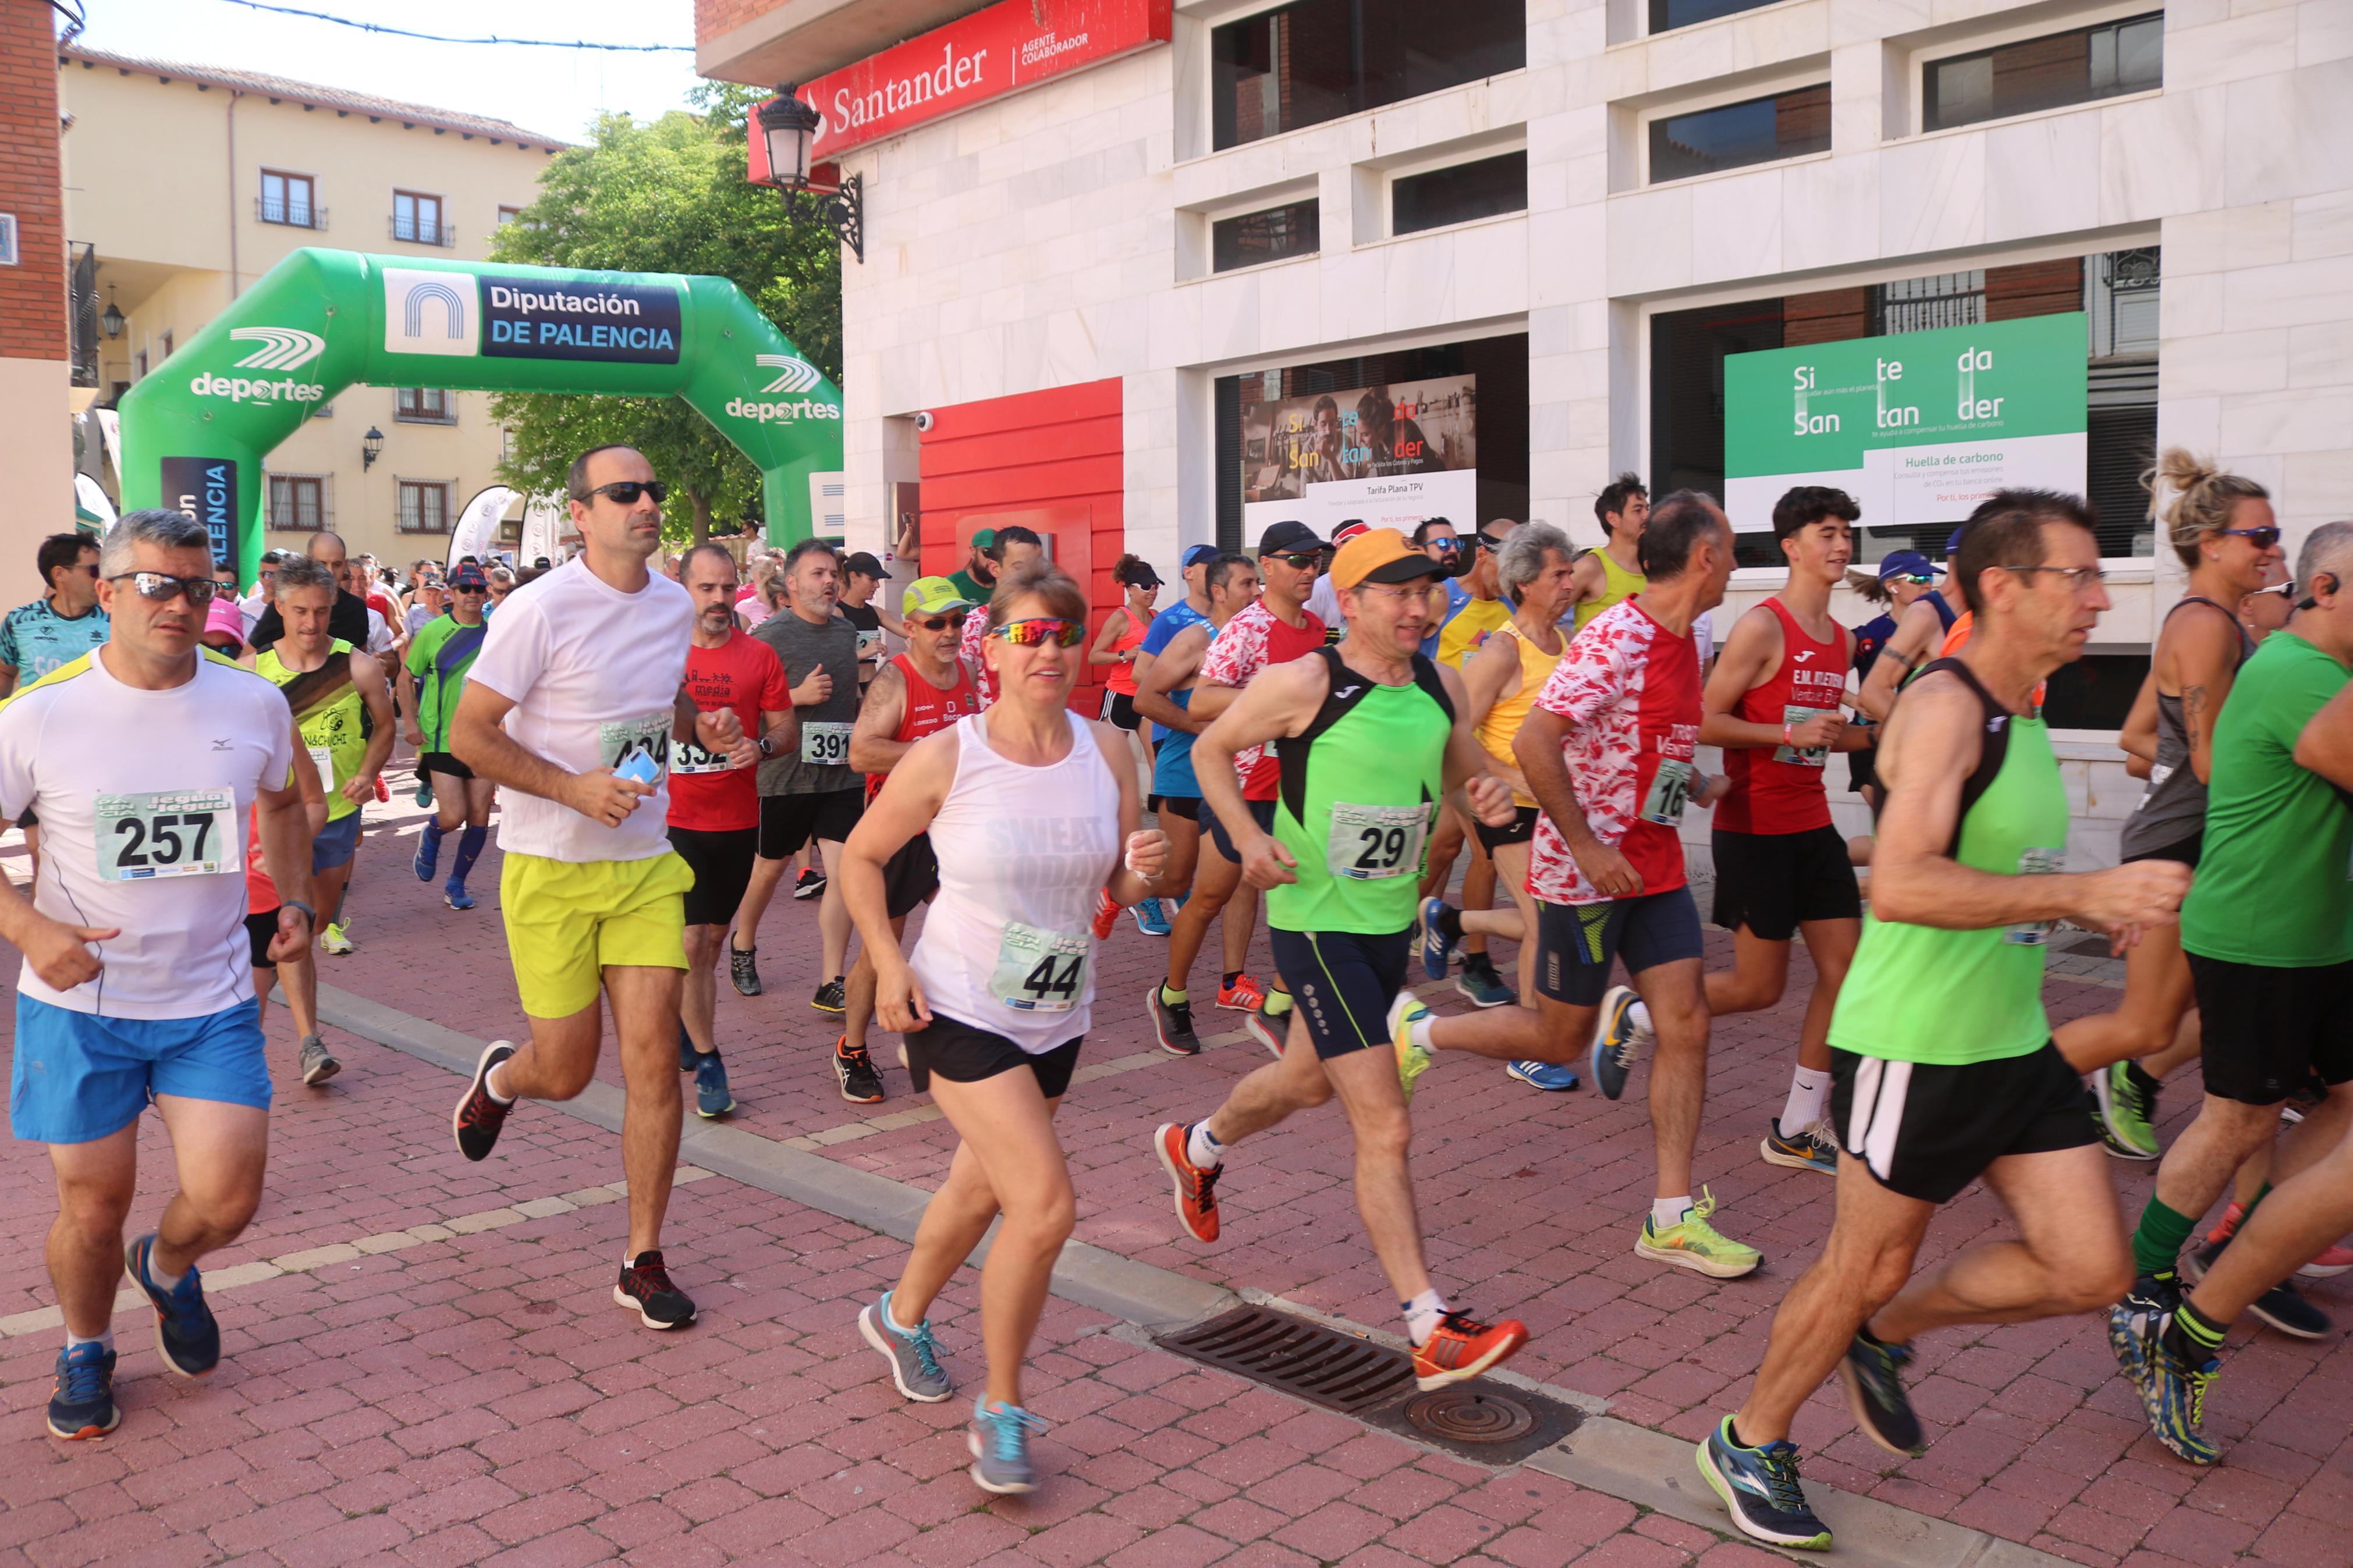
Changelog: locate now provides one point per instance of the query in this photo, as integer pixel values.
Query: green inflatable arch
(195, 431)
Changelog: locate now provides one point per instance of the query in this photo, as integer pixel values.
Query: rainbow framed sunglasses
(1031, 633)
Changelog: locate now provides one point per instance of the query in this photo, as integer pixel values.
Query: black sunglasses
(1298, 561)
(941, 623)
(163, 587)
(626, 491)
(2260, 538)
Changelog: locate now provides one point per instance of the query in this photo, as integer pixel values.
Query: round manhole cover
(1470, 1416)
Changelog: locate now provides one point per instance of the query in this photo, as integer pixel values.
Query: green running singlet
(1357, 792)
(335, 729)
(1921, 993)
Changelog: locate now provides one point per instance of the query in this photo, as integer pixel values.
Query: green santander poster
(1917, 426)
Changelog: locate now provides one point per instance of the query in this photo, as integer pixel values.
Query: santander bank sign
(1010, 45)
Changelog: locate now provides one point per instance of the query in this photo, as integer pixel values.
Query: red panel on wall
(1052, 461)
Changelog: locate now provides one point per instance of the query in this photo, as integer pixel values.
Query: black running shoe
(811, 884)
(82, 1403)
(479, 1118)
(860, 1084)
(186, 1333)
(1873, 1375)
(2281, 1306)
(645, 1289)
(744, 970)
(832, 996)
(1172, 1023)
(1761, 1489)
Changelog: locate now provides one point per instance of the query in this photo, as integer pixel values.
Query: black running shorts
(1772, 882)
(1577, 942)
(443, 762)
(1927, 1131)
(962, 1053)
(1520, 830)
(1187, 806)
(910, 876)
(722, 864)
(1343, 984)
(2269, 1030)
(787, 822)
(260, 930)
(1261, 812)
(2184, 851)
(1119, 709)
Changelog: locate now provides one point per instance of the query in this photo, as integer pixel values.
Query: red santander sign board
(1010, 45)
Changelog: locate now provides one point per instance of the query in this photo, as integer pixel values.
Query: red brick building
(36, 355)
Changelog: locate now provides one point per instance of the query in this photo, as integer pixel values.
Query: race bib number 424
(618, 741)
(167, 833)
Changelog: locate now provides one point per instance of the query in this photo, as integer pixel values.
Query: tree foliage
(668, 197)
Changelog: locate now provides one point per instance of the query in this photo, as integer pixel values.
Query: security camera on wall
(923, 422)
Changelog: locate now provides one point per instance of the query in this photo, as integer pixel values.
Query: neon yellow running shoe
(1694, 1244)
(1412, 1061)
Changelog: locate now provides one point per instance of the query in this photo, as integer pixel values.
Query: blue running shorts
(79, 1077)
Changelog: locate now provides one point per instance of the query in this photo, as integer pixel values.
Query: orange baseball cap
(1379, 555)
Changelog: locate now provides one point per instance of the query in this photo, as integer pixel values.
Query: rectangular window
(1314, 60)
(1732, 135)
(7, 239)
(287, 199)
(139, 366)
(298, 502)
(2034, 74)
(167, 346)
(418, 219)
(1924, 304)
(1668, 15)
(425, 406)
(1458, 194)
(1276, 234)
(424, 506)
(508, 215)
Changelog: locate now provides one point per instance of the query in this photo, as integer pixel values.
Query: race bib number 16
(167, 833)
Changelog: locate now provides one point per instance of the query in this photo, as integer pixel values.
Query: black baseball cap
(1141, 575)
(865, 566)
(1288, 538)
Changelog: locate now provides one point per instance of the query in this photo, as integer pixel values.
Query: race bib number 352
(167, 833)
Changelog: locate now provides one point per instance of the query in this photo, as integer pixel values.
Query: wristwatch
(308, 912)
(765, 749)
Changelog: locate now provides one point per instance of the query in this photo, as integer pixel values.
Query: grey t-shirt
(825, 726)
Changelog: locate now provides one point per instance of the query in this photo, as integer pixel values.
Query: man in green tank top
(1369, 737)
(1613, 573)
(1943, 1069)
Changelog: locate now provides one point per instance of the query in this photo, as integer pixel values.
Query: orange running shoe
(1461, 1348)
(1196, 1188)
(1244, 995)
(1107, 914)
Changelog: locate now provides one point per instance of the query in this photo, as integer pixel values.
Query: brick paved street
(423, 1365)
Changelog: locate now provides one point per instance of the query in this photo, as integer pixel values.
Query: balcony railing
(293, 215)
(418, 231)
(81, 299)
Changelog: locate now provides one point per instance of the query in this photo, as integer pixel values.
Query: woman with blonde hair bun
(2222, 526)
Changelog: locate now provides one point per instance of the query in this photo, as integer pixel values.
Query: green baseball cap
(933, 596)
(983, 538)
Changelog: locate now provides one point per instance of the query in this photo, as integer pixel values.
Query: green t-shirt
(972, 588)
(2274, 882)
(438, 656)
(1924, 993)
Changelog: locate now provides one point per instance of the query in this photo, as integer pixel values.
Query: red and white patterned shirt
(1629, 691)
(1253, 639)
(984, 680)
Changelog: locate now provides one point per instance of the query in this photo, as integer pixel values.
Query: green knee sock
(2157, 1245)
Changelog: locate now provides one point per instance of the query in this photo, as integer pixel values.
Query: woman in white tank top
(1029, 807)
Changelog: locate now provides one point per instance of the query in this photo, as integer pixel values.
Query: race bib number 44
(1372, 842)
(167, 833)
(826, 745)
(1039, 971)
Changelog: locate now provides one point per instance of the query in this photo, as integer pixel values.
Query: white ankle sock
(490, 1086)
(157, 1280)
(1665, 1212)
(1418, 1031)
(1421, 1315)
(1202, 1150)
(75, 1342)
(1638, 1017)
(891, 1316)
(1810, 1092)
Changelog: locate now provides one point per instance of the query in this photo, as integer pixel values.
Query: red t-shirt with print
(743, 673)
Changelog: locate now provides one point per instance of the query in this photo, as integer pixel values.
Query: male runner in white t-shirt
(572, 705)
(137, 982)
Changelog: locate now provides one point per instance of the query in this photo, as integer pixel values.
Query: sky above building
(557, 92)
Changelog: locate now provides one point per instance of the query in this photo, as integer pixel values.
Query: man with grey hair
(135, 985)
(2268, 926)
(350, 619)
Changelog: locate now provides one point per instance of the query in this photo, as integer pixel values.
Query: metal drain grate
(1307, 1361)
(1374, 1382)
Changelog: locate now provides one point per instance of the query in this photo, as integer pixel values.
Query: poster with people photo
(1391, 455)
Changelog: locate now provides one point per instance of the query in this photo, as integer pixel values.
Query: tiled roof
(336, 97)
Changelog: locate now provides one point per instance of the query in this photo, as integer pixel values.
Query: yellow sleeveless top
(1623, 584)
(332, 734)
(1503, 720)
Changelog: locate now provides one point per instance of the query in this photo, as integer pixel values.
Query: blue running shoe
(1436, 945)
(1000, 1447)
(2173, 1396)
(186, 1333)
(454, 894)
(712, 1097)
(82, 1404)
(1873, 1375)
(428, 851)
(1543, 1076)
(1151, 919)
(1617, 1042)
(1480, 985)
(1760, 1487)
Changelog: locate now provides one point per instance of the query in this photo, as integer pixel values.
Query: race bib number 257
(167, 833)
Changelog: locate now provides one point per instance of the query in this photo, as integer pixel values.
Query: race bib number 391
(167, 833)
(826, 745)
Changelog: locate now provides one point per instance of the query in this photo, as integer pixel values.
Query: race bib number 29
(1370, 843)
(167, 833)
